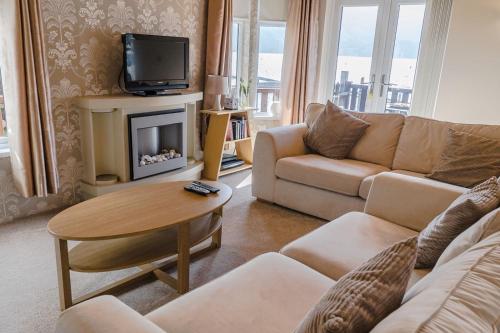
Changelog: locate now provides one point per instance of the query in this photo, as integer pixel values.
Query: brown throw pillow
(364, 297)
(467, 160)
(466, 210)
(334, 132)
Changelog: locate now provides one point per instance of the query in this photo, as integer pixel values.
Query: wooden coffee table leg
(217, 236)
(63, 275)
(183, 245)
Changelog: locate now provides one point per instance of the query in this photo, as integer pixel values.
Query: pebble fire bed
(165, 155)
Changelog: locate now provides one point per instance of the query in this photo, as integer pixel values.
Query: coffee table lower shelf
(152, 253)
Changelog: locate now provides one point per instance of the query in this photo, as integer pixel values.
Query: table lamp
(217, 85)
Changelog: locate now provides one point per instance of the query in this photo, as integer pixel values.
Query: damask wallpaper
(84, 56)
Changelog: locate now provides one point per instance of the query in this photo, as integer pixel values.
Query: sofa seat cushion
(271, 293)
(341, 176)
(366, 184)
(342, 245)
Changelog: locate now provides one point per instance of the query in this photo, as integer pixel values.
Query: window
(235, 55)
(4, 147)
(373, 49)
(271, 47)
(258, 42)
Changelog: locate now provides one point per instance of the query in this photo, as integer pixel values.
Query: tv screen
(155, 63)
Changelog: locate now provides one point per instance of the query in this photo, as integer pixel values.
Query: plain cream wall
(469, 91)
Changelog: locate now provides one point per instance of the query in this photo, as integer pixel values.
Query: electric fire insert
(157, 142)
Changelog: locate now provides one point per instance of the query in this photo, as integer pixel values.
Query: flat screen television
(154, 64)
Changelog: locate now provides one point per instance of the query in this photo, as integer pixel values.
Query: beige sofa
(286, 173)
(273, 292)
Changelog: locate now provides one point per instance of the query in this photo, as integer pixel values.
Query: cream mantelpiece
(104, 132)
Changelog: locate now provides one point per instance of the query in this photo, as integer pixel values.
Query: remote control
(196, 189)
(206, 186)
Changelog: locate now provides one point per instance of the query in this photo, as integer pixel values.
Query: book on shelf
(237, 129)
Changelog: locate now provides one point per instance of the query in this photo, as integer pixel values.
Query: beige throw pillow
(334, 132)
(485, 227)
(466, 210)
(467, 160)
(364, 297)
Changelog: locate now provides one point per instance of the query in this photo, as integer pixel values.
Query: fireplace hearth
(157, 142)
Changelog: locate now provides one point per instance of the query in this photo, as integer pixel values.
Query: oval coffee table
(137, 227)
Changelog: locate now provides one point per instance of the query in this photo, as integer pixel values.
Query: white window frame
(239, 51)
(266, 23)
(433, 41)
(4, 147)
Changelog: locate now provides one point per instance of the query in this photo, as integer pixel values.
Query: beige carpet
(28, 287)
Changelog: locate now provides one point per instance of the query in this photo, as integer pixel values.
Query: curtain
(27, 98)
(431, 56)
(300, 60)
(218, 58)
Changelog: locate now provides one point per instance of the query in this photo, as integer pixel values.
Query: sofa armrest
(105, 314)
(409, 201)
(270, 146)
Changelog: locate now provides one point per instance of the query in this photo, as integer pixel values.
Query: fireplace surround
(104, 123)
(157, 142)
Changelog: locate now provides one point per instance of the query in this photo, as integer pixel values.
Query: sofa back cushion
(423, 140)
(379, 143)
(462, 295)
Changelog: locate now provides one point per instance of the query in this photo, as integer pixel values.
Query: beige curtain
(300, 60)
(27, 99)
(218, 61)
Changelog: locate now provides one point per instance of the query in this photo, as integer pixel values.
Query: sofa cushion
(270, 293)
(467, 160)
(378, 144)
(466, 210)
(362, 298)
(334, 132)
(366, 184)
(344, 244)
(422, 141)
(342, 176)
(462, 295)
(485, 227)
(105, 314)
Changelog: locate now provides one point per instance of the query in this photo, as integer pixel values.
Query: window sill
(4, 152)
(265, 116)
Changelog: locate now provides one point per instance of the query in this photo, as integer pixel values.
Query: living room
(249, 166)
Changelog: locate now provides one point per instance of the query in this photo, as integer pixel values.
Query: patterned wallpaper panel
(84, 56)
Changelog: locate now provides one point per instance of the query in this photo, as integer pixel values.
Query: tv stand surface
(157, 93)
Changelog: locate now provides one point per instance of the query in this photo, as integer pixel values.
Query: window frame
(239, 51)
(430, 58)
(260, 24)
(4, 140)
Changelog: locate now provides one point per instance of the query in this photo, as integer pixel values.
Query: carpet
(28, 280)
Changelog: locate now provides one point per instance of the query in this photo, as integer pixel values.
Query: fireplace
(157, 142)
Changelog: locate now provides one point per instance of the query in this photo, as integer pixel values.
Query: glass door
(356, 56)
(401, 56)
(377, 45)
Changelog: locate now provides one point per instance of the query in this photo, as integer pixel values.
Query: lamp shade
(217, 85)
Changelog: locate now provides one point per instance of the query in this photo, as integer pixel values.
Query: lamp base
(217, 105)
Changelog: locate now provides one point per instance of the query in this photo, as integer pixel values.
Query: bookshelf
(218, 133)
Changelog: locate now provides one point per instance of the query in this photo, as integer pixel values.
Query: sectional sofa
(273, 292)
(286, 173)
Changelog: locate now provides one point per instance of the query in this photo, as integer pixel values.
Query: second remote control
(196, 189)
(206, 186)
